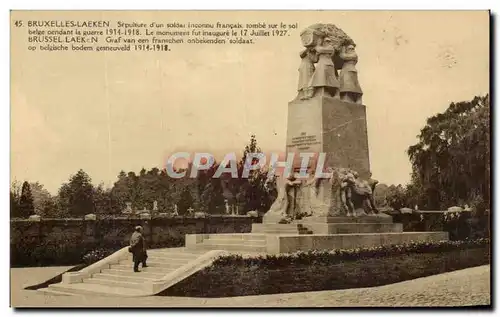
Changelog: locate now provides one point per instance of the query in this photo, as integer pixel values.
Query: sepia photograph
(251, 159)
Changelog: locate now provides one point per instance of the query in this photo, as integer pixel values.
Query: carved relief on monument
(342, 194)
(328, 49)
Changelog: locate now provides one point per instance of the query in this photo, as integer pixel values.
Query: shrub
(466, 225)
(97, 255)
(330, 270)
(329, 257)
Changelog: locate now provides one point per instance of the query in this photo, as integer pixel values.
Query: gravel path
(459, 288)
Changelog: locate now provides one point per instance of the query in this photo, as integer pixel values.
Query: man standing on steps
(138, 248)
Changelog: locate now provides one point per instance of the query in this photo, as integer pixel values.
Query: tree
(15, 196)
(211, 191)
(212, 200)
(42, 200)
(251, 147)
(103, 201)
(379, 195)
(256, 191)
(75, 198)
(26, 207)
(149, 184)
(451, 161)
(396, 197)
(165, 202)
(120, 193)
(186, 201)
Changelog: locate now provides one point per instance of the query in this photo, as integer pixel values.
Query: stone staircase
(233, 242)
(292, 228)
(165, 268)
(314, 233)
(114, 276)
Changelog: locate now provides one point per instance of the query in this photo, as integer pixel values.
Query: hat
(138, 228)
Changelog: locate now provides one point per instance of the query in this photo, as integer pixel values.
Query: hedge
(234, 275)
(52, 253)
(327, 257)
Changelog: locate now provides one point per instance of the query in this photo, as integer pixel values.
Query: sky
(109, 111)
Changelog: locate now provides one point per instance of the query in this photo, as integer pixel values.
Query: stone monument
(327, 114)
(333, 208)
(327, 117)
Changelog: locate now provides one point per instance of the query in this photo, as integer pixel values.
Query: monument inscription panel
(304, 142)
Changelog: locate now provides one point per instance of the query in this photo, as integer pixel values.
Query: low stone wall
(119, 230)
(65, 241)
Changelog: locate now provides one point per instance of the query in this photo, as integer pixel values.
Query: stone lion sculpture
(357, 194)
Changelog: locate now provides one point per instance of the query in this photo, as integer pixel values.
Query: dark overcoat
(138, 247)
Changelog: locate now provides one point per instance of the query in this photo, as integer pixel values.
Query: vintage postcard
(250, 159)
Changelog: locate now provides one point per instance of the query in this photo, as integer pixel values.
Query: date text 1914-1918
(152, 48)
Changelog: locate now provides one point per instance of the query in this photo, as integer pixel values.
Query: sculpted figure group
(357, 194)
(343, 194)
(328, 50)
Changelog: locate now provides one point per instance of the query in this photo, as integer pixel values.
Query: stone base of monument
(314, 233)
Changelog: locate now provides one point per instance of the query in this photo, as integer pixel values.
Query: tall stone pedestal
(329, 125)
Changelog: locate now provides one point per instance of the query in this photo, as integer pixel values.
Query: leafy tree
(103, 201)
(210, 191)
(76, 197)
(256, 191)
(396, 197)
(26, 207)
(212, 200)
(251, 147)
(186, 201)
(451, 161)
(120, 193)
(42, 200)
(379, 195)
(165, 202)
(148, 185)
(15, 196)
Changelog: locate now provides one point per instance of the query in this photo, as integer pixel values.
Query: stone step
(131, 277)
(346, 228)
(231, 247)
(151, 269)
(113, 282)
(301, 231)
(48, 291)
(96, 289)
(344, 219)
(264, 229)
(277, 225)
(175, 255)
(182, 250)
(160, 262)
(280, 228)
(289, 244)
(129, 271)
(244, 237)
(234, 242)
